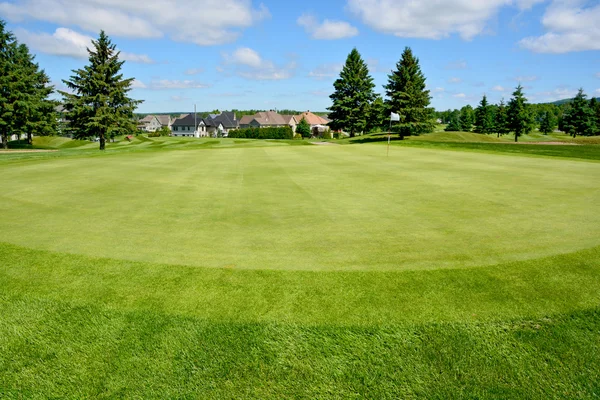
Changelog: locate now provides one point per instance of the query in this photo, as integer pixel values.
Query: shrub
(284, 132)
(327, 134)
(298, 136)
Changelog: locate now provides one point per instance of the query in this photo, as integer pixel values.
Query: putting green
(304, 207)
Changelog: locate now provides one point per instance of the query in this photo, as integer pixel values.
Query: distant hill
(564, 101)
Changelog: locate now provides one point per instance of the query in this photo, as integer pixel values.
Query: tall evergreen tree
(467, 118)
(377, 114)
(519, 118)
(99, 105)
(24, 90)
(454, 122)
(303, 128)
(501, 119)
(595, 110)
(484, 117)
(352, 96)
(408, 97)
(548, 122)
(579, 118)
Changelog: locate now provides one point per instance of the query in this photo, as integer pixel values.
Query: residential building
(267, 119)
(150, 123)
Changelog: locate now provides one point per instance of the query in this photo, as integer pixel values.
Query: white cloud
(455, 80)
(597, 91)
(180, 98)
(325, 71)
(194, 71)
(560, 93)
(68, 43)
(375, 66)
(526, 78)
(460, 95)
(204, 22)
(136, 84)
(160, 84)
(572, 25)
(431, 19)
(326, 30)
(459, 64)
(598, 75)
(499, 88)
(438, 90)
(249, 64)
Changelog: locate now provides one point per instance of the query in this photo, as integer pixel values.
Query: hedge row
(284, 132)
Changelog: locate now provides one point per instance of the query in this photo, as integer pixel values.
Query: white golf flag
(395, 117)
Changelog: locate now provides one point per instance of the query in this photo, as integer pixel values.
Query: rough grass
(249, 269)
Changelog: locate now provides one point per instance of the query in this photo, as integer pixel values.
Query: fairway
(268, 270)
(305, 208)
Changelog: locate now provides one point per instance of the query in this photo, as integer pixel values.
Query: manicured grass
(253, 269)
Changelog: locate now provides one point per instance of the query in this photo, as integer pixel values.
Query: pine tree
(595, 109)
(579, 118)
(7, 48)
(454, 122)
(501, 120)
(352, 96)
(24, 91)
(519, 118)
(99, 106)
(467, 118)
(484, 117)
(377, 114)
(303, 128)
(408, 97)
(548, 122)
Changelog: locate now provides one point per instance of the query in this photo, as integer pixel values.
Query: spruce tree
(303, 128)
(352, 96)
(454, 122)
(24, 90)
(99, 105)
(484, 117)
(595, 110)
(408, 97)
(548, 122)
(501, 119)
(377, 114)
(579, 118)
(519, 118)
(467, 118)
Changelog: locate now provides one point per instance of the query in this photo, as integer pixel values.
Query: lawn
(248, 269)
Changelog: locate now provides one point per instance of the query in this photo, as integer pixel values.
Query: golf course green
(259, 269)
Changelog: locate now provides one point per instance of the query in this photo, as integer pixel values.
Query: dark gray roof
(188, 120)
(227, 119)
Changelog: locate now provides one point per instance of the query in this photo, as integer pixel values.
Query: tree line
(576, 117)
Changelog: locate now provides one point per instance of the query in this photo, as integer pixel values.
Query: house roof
(147, 119)
(227, 119)
(164, 120)
(312, 119)
(246, 119)
(187, 120)
(289, 119)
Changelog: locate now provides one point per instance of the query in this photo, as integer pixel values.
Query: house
(268, 119)
(165, 120)
(318, 124)
(186, 126)
(212, 126)
(150, 123)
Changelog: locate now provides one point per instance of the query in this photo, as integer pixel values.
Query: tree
(501, 120)
(408, 97)
(548, 123)
(454, 122)
(595, 109)
(99, 105)
(579, 118)
(484, 117)
(303, 128)
(377, 114)
(519, 118)
(24, 90)
(467, 118)
(352, 96)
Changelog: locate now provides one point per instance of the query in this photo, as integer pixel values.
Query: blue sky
(225, 54)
